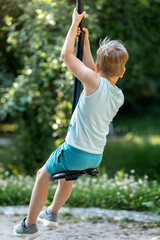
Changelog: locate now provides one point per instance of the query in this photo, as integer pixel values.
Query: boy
(86, 138)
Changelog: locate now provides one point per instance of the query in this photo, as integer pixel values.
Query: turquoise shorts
(67, 157)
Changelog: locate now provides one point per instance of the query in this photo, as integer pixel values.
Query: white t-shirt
(92, 116)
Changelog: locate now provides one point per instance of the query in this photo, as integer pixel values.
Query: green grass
(138, 147)
(139, 125)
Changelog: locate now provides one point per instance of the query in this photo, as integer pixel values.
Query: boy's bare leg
(39, 195)
(62, 193)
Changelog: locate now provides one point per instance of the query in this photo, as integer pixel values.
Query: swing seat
(74, 175)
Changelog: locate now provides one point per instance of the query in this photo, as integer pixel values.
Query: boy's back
(92, 116)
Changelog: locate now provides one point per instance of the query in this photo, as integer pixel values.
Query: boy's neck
(111, 80)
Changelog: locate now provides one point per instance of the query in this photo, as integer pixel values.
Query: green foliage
(39, 27)
(9, 62)
(35, 40)
(136, 23)
(36, 97)
(121, 192)
(31, 37)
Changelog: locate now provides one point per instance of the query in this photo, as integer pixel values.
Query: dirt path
(83, 230)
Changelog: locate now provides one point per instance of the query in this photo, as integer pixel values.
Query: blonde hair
(111, 57)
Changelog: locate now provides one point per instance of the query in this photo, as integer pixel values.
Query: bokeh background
(36, 89)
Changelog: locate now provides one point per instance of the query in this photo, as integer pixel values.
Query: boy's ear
(97, 68)
(123, 72)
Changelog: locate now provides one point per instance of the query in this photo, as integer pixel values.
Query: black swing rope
(79, 55)
(73, 175)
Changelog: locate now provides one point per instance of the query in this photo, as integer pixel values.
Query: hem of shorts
(84, 149)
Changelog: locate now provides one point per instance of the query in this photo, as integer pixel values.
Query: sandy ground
(83, 229)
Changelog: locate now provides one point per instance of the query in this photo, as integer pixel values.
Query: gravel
(86, 223)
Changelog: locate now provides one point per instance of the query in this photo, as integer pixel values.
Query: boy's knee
(39, 175)
(42, 175)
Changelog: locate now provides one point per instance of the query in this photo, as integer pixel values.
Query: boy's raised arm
(87, 55)
(68, 47)
(86, 75)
